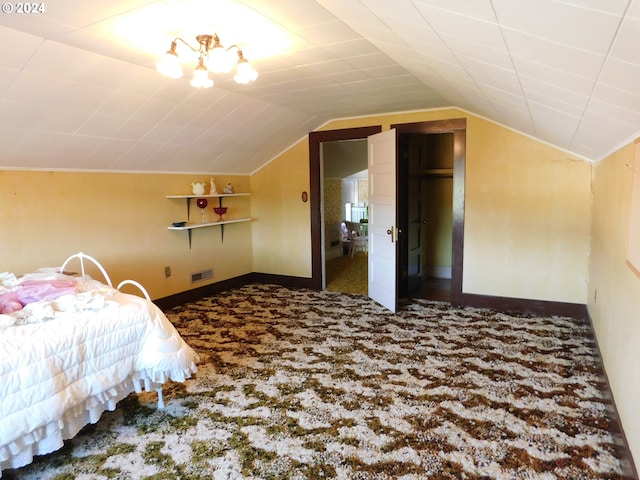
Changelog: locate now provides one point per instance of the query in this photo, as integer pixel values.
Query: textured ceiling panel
(79, 90)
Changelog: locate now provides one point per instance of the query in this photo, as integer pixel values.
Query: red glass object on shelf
(220, 211)
(202, 203)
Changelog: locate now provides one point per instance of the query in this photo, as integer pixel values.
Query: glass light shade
(220, 60)
(169, 65)
(246, 73)
(201, 77)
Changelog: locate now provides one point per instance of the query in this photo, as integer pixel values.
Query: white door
(383, 233)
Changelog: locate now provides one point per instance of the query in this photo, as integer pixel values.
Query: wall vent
(200, 276)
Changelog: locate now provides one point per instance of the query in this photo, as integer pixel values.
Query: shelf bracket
(189, 233)
(221, 226)
(188, 207)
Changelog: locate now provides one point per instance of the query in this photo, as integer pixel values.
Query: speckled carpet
(300, 384)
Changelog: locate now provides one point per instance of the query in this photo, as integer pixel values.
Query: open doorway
(425, 165)
(316, 141)
(345, 215)
(433, 155)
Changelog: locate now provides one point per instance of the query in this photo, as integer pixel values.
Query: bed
(71, 347)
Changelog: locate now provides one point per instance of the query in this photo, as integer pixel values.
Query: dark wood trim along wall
(199, 293)
(525, 306)
(501, 304)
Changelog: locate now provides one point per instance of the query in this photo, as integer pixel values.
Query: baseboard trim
(195, 294)
(282, 280)
(437, 272)
(621, 445)
(166, 303)
(522, 305)
(501, 304)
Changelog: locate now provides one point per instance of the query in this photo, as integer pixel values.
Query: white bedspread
(64, 362)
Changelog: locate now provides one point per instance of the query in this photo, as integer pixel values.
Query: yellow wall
(528, 212)
(121, 220)
(281, 227)
(527, 217)
(614, 290)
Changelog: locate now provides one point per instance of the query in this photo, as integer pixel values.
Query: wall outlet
(167, 272)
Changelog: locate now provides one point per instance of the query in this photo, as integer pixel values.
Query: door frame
(457, 126)
(315, 189)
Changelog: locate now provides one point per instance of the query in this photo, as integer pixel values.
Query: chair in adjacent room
(357, 241)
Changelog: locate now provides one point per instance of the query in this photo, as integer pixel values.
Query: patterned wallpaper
(332, 209)
(363, 191)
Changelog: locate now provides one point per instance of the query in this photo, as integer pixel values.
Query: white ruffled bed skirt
(50, 437)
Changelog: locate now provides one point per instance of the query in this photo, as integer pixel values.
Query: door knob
(393, 231)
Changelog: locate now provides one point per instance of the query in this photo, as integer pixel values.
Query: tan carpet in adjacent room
(348, 275)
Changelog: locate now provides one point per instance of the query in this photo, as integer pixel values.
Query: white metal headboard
(82, 256)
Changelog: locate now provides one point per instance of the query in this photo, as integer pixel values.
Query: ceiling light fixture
(212, 57)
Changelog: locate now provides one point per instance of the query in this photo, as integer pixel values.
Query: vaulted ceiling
(79, 88)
